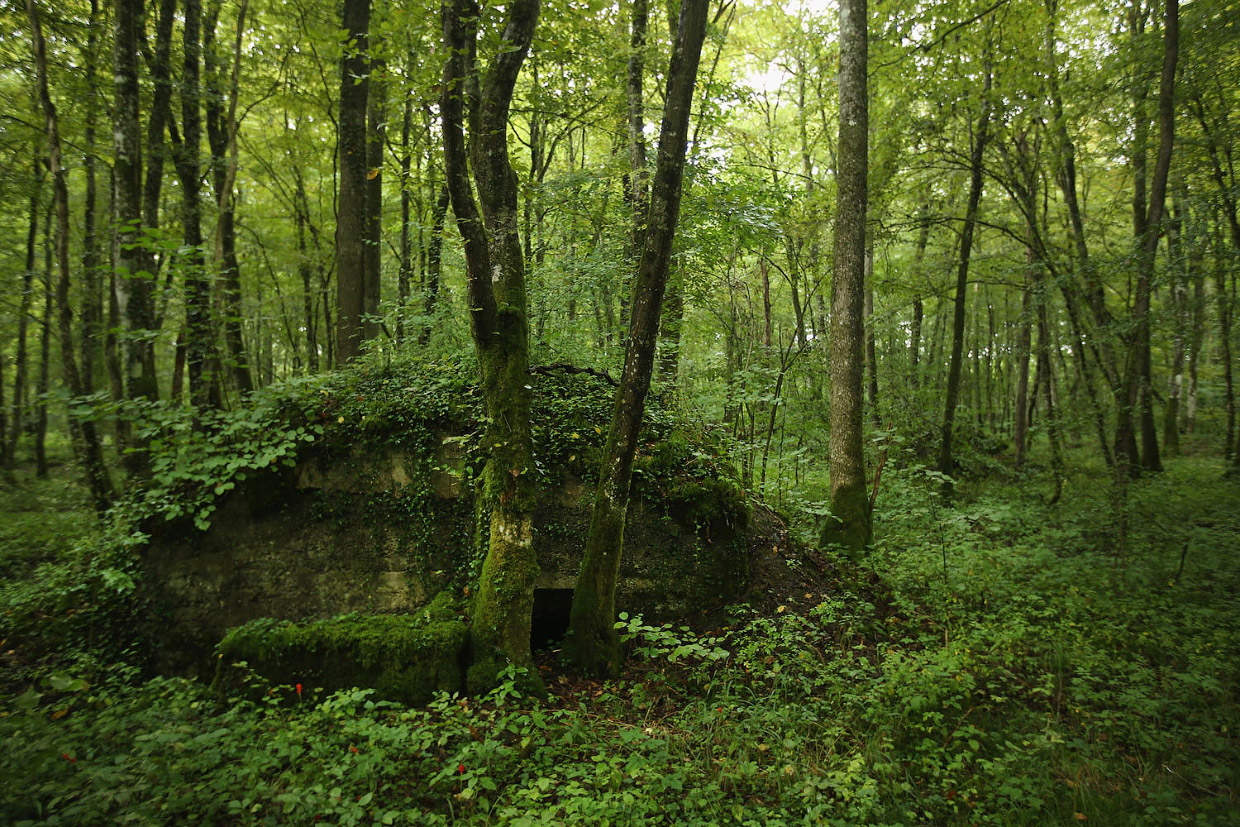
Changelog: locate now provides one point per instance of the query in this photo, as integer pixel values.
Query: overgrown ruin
(377, 517)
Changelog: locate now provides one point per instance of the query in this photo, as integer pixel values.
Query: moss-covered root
(504, 602)
(851, 523)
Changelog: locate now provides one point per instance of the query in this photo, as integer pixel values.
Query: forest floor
(999, 661)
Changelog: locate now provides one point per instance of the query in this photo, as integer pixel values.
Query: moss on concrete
(404, 657)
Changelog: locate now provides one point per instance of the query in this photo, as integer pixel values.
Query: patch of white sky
(776, 73)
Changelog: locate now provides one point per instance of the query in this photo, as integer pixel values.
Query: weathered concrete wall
(385, 531)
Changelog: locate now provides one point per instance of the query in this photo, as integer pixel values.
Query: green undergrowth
(69, 586)
(997, 662)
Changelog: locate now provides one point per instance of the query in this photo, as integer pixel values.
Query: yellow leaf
(60, 713)
(372, 174)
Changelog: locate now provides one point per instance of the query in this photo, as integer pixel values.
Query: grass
(999, 662)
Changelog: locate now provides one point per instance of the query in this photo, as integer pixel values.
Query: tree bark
(1223, 304)
(92, 295)
(404, 275)
(376, 132)
(919, 255)
(496, 297)
(871, 348)
(1135, 401)
(850, 524)
(351, 214)
(199, 336)
(301, 219)
(593, 642)
(81, 430)
(434, 260)
(1020, 428)
(946, 459)
(222, 129)
(134, 279)
(23, 322)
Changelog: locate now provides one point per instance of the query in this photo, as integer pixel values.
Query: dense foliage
(994, 663)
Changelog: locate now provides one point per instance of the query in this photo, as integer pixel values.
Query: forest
(612, 413)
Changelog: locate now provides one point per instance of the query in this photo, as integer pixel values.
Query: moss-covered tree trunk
(593, 642)
(495, 287)
(850, 505)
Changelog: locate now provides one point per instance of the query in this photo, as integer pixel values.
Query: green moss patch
(403, 657)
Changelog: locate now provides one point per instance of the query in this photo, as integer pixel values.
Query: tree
(134, 279)
(85, 438)
(850, 505)
(976, 172)
(593, 641)
(1136, 387)
(352, 224)
(496, 297)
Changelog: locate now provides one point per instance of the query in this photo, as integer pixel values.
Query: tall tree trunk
(92, 295)
(82, 431)
(1046, 369)
(919, 256)
(496, 297)
(851, 524)
(43, 383)
(636, 116)
(593, 642)
(946, 459)
(1224, 307)
(871, 348)
(1020, 428)
(23, 321)
(1196, 322)
(672, 326)
(300, 220)
(351, 214)
(404, 275)
(133, 282)
(222, 129)
(434, 260)
(1178, 277)
(376, 132)
(1135, 401)
(199, 337)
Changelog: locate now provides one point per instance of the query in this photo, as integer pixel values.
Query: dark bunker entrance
(550, 619)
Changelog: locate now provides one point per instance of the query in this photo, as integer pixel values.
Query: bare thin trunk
(946, 459)
(23, 321)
